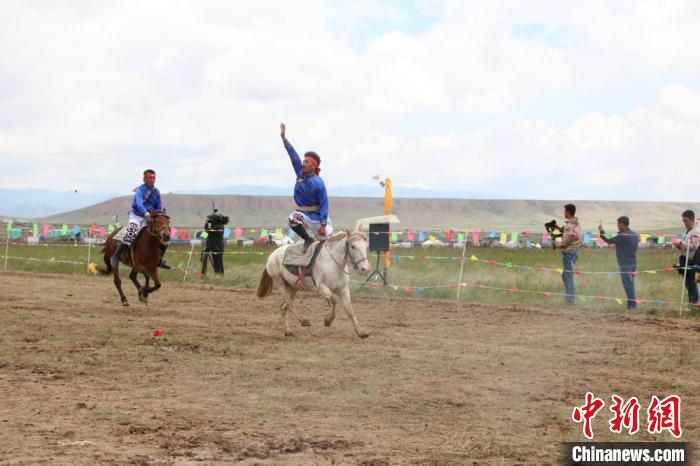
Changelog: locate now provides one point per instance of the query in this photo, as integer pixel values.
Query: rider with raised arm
(310, 196)
(146, 200)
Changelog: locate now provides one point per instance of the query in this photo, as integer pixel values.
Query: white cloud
(680, 101)
(596, 132)
(503, 98)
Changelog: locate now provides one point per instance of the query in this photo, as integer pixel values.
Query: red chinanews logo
(662, 415)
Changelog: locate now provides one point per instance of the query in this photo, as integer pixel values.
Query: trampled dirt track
(82, 380)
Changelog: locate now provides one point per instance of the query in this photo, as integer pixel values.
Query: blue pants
(691, 286)
(628, 283)
(567, 275)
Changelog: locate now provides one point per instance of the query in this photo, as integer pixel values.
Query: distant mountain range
(190, 210)
(34, 203)
(264, 206)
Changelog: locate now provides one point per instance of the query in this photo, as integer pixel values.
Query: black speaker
(379, 237)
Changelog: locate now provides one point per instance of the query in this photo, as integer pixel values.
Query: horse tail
(106, 270)
(265, 285)
(108, 262)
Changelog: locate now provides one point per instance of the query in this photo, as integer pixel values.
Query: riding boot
(163, 264)
(114, 260)
(303, 234)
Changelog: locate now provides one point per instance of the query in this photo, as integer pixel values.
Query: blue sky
(379, 17)
(539, 99)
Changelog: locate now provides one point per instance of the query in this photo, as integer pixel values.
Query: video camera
(217, 219)
(553, 229)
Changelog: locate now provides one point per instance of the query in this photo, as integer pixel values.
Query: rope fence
(451, 236)
(451, 258)
(90, 267)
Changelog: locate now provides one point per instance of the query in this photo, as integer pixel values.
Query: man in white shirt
(690, 245)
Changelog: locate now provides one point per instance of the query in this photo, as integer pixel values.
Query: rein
(155, 233)
(347, 257)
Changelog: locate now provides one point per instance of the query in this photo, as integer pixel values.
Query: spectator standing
(626, 243)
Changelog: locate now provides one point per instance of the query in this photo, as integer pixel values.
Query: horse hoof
(363, 335)
(125, 303)
(289, 334)
(327, 322)
(143, 299)
(305, 323)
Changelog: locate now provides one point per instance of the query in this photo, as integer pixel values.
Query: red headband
(313, 162)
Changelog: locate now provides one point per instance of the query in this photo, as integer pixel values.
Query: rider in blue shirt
(146, 200)
(310, 195)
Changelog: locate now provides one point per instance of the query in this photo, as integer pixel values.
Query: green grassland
(419, 270)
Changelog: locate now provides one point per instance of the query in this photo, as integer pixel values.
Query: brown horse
(143, 257)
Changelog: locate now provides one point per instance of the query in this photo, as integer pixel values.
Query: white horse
(330, 277)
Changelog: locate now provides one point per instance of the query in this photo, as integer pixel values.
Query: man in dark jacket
(214, 227)
(626, 243)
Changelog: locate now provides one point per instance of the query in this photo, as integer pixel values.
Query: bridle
(156, 232)
(354, 263)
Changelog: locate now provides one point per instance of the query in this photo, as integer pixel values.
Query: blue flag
(587, 237)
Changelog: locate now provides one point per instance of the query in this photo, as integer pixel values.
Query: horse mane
(361, 235)
(340, 235)
(337, 236)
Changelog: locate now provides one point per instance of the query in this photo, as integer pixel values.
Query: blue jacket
(626, 243)
(309, 191)
(146, 201)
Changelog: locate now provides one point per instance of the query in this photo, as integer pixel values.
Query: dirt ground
(84, 381)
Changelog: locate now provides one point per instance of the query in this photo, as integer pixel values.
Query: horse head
(356, 249)
(159, 226)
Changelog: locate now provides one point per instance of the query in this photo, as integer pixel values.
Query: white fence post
(7, 250)
(461, 265)
(189, 261)
(87, 264)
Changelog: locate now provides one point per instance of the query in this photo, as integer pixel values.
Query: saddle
(118, 237)
(301, 263)
(119, 234)
(121, 231)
